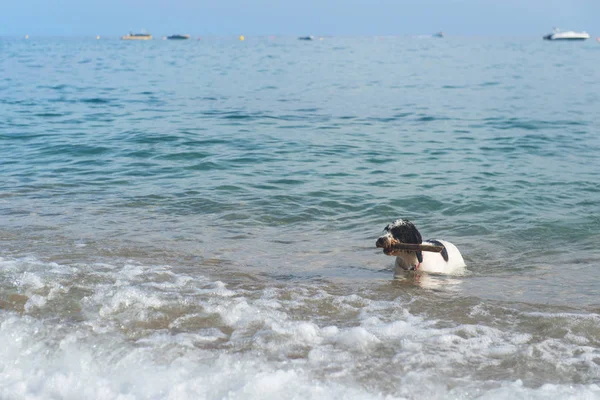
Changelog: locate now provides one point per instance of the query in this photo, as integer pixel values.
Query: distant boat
(439, 34)
(137, 36)
(566, 35)
(306, 38)
(178, 37)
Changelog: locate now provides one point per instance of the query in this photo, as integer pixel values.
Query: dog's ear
(438, 243)
(416, 235)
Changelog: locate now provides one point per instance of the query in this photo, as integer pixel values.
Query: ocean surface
(197, 219)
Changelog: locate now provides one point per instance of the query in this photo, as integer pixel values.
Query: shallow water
(197, 219)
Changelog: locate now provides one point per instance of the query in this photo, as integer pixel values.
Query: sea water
(197, 219)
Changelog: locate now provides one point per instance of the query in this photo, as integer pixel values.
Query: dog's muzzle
(385, 242)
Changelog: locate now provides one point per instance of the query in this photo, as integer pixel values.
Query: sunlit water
(197, 219)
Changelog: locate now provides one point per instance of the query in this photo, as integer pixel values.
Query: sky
(301, 17)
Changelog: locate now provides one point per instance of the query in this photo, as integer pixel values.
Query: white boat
(137, 36)
(567, 35)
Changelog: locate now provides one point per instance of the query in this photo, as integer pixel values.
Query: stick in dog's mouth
(398, 246)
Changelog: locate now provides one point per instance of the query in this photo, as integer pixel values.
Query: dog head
(401, 231)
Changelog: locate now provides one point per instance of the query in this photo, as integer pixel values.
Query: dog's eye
(399, 229)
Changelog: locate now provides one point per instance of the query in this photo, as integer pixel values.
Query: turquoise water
(206, 211)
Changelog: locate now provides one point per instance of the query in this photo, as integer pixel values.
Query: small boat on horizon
(439, 35)
(306, 38)
(557, 34)
(137, 36)
(178, 37)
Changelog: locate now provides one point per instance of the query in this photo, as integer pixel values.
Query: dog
(448, 261)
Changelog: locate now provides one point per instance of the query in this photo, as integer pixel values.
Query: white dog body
(432, 262)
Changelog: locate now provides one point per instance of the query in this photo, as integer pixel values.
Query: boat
(438, 35)
(178, 37)
(557, 34)
(306, 38)
(137, 36)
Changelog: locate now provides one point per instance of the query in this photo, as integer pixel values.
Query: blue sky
(299, 17)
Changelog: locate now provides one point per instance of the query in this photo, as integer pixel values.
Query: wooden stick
(416, 247)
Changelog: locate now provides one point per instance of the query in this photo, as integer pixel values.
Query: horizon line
(264, 35)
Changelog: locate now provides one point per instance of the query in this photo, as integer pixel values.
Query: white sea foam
(130, 331)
